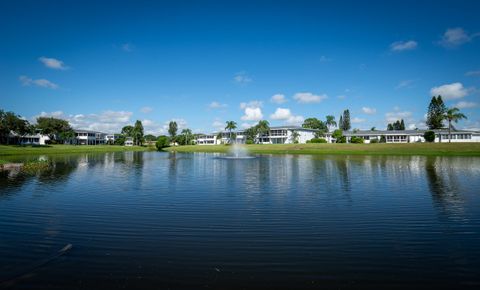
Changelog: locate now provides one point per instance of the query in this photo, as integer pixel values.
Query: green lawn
(9, 150)
(439, 149)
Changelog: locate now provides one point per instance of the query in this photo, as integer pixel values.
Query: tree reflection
(444, 186)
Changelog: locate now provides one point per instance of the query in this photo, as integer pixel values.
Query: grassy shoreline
(11, 150)
(426, 149)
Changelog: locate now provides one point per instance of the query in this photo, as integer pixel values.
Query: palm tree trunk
(449, 131)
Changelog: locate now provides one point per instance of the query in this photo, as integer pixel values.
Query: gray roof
(87, 131)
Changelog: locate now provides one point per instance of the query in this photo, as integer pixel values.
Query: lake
(157, 220)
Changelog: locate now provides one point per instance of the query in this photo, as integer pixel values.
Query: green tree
(436, 113)
(453, 115)
(429, 136)
(263, 127)
(128, 131)
(55, 129)
(187, 136)
(402, 125)
(373, 129)
(340, 123)
(231, 125)
(330, 122)
(295, 136)
(251, 134)
(138, 133)
(346, 120)
(150, 137)
(172, 130)
(9, 122)
(338, 135)
(162, 142)
(314, 123)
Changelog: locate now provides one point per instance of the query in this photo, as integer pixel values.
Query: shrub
(429, 136)
(356, 140)
(342, 139)
(162, 142)
(374, 141)
(383, 139)
(249, 141)
(317, 140)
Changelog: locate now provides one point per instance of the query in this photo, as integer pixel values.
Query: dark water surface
(193, 221)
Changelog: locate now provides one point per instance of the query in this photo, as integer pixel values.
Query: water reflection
(280, 221)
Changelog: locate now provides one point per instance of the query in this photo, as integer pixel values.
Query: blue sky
(105, 65)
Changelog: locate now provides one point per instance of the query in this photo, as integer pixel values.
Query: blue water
(151, 220)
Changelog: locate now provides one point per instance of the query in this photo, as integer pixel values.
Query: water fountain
(238, 151)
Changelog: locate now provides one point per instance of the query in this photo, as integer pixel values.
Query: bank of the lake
(10, 150)
(425, 149)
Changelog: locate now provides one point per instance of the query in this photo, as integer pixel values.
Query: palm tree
(231, 125)
(263, 127)
(295, 136)
(330, 122)
(452, 114)
(187, 133)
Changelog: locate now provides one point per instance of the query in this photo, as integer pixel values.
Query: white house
(129, 141)
(88, 137)
(412, 136)
(285, 135)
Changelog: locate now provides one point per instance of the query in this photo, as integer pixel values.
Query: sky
(104, 64)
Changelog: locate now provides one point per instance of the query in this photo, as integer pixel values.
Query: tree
(429, 136)
(330, 122)
(250, 134)
(345, 126)
(295, 136)
(127, 131)
(402, 125)
(263, 127)
(453, 115)
(435, 114)
(397, 125)
(9, 122)
(56, 129)
(314, 123)
(389, 127)
(138, 133)
(340, 123)
(373, 129)
(187, 136)
(150, 137)
(231, 125)
(338, 135)
(162, 142)
(172, 130)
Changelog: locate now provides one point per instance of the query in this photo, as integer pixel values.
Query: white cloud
(252, 114)
(399, 46)
(53, 63)
(108, 121)
(369, 111)
(472, 73)
(278, 99)
(358, 120)
(181, 124)
(465, 105)
(341, 97)
(242, 78)
(216, 105)
(398, 115)
(127, 47)
(325, 59)
(218, 125)
(449, 91)
(251, 104)
(26, 81)
(286, 115)
(455, 37)
(405, 84)
(306, 98)
(246, 125)
(146, 110)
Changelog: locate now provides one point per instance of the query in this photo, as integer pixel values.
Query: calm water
(191, 221)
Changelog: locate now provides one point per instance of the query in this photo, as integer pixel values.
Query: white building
(129, 141)
(412, 136)
(285, 135)
(111, 138)
(88, 137)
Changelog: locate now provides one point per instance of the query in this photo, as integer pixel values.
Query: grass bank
(10, 150)
(433, 149)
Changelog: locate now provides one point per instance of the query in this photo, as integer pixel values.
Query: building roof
(400, 132)
(87, 131)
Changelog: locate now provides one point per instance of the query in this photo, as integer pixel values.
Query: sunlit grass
(62, 149)
(444, 149)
